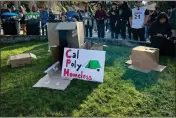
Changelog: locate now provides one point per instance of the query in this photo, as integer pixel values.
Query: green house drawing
(93, 64)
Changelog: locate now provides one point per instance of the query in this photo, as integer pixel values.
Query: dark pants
(101, 30)
(166, 47)
(122, 28)
(114, 33)
(44, 27)
(88, 30)
(139, 33)
(129, 30)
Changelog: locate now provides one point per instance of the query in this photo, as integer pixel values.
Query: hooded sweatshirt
(158, 28)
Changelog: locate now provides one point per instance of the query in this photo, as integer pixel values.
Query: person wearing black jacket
(155, 14)
(124, 14)
(114, 15)
(160, 32)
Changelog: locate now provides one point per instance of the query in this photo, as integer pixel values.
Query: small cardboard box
(20, 59)
(145, 59)
(53, 37)
(74, 33)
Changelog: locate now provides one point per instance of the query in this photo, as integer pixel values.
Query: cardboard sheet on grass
(21, 59)
(145, 59)
(83, 64)
(53, 79)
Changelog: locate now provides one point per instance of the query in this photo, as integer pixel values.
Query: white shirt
(138, 17)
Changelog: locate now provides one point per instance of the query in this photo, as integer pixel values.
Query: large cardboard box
(20, 59)
(53, 37)
(74, 33)
(145, 57)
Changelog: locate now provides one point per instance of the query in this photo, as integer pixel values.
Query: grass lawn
(124, 92)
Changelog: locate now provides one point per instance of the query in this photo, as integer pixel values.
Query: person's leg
(46, 30)
(98, 28)
(112, 32)
(141, 34)
(135, 34)
(90, 30)
(123, 29)
(86, 28)
(129, 31)
(103, 30)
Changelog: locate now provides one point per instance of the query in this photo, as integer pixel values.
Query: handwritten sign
(83, 64)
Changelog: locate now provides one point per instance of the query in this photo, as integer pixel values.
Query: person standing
(100, 16)
(124, 14)
(114, 15)
(155, 14)
(88, 20)
(44, 18)
(22, 11)
(173, 21)
(51, 14)
(138, 19)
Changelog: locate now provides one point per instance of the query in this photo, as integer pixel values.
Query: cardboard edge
(138, 69)
(129, 62)
(8, 61)
(160, 68)
(53, 67)
(33, 56)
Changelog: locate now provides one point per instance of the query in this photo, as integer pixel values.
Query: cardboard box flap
(51, 70)
(8, 61)
(66, 26)
(145, 49)
(129, 62)
(139, 69)
(33, 56)
(159, 68)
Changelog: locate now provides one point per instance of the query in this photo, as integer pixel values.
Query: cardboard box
(20, 59)
(145, 59)
(97, 46)
(74, 33)
(53, 37)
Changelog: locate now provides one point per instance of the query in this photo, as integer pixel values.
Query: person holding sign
(138, 19)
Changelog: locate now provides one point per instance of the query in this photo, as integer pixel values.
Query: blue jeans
(146, 32)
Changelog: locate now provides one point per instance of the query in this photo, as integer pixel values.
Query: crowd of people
(138, 22)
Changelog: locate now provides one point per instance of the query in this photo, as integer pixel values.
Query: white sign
(83, 64)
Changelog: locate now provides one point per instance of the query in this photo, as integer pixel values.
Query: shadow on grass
(18, 98)
(141, 80)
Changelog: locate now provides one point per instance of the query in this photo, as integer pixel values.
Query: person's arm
(169, 30)
(96, 15)
(146, 17)
(104, 15)
(130, 18)
(152, 30)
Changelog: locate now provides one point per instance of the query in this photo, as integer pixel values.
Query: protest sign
(83, 64)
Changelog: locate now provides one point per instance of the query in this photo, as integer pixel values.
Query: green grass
(124, 92)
